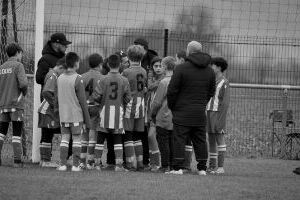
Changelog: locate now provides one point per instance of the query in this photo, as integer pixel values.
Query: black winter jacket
(191, 86)
(47, 61)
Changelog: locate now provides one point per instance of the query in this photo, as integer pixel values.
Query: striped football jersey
(137, 77)
(112, 92)
(221, 97)
(50, 86)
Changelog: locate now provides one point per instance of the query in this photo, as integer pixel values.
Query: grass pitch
(244, 179)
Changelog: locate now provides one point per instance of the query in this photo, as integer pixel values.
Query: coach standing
(190, 88)
(52, 52)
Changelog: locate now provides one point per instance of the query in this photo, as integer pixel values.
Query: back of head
(169, 62)
(12, 49)
(135, 53)
(95, 60)
(114, 61)
(181, 54)
(61, 61)
(141, 41)
(193, 47)
(71, 59)
(220, 62)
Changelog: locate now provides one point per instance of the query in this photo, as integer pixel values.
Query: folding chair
(277, 117)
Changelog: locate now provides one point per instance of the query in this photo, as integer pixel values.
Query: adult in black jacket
(52, 52)
(190, 88)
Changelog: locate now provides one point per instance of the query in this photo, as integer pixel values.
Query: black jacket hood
(49, 50)
(201, 60)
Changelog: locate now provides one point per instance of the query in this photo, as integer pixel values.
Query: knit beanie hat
(194, 47)
(169, 62)
(141, 41)
(95, 59)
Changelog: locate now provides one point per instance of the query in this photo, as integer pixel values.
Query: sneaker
(120, 169)
(62, 168)
(18, 164)
(147, 168)
(202, 172)
(211, 171)
(49, 164)
(76, 169)
(220, 170)
(90, 164)
(176, 172)
(297, 171)
(109, 167)
(155, 168)
(187, 170)
(81, 166)
(97, 167)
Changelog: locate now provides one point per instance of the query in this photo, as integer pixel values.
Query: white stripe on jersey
(44, 107)
(128, 108)
(216, 99)
(121, 118)
(137, 109)
(112, 113)
(102, 116)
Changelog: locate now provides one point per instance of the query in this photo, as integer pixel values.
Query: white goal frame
(39, 40)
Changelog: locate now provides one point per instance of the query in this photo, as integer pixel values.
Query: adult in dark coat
(52, 52)
(190, 88)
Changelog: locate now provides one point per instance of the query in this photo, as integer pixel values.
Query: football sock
(64, 148)
(213, 160)
(83, 153)
(188, 156)
(155, 157)
(45, 151)
(221, 155)
(1, 142)
(129, 153)
(138, 148)
(17, 148)
(76, 153)
(118, 148)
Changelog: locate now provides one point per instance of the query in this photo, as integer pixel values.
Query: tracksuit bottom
(197, 135)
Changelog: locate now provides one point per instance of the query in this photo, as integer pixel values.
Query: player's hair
(105, 67)
(220, 62)
(12, 49)
(71, 59)
(95, 59)
(114, 61)
(61, 61)
(154, 60)
(135, 53)
(169, 62)
(181, 54)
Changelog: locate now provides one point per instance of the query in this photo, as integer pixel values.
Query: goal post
(39, 35)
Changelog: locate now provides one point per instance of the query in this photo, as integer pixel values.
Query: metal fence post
(166, 42)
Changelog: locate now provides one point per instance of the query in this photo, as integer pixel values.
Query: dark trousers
(144, 138)
(197, 135)
(164, 139)
(110, 158)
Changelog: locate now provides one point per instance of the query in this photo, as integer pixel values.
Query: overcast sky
(233, 17)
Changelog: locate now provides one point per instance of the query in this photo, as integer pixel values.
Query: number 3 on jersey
(114, 90)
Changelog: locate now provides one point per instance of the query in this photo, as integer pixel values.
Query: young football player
(216, 117)
(134, 118)
(73, 111)
(162, 116)
(112, 93)
(48, 115)
(158, 75)
(90, 80)
(13, 87)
